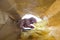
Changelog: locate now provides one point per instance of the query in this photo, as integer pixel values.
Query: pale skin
(27, 22)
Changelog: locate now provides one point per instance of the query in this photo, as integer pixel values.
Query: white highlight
(26, 28)
(27, 16)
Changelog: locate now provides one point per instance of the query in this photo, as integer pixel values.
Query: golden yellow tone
(40, 32)
(49, 8)
(17, 8)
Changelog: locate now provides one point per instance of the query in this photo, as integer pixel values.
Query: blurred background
(12, 10)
